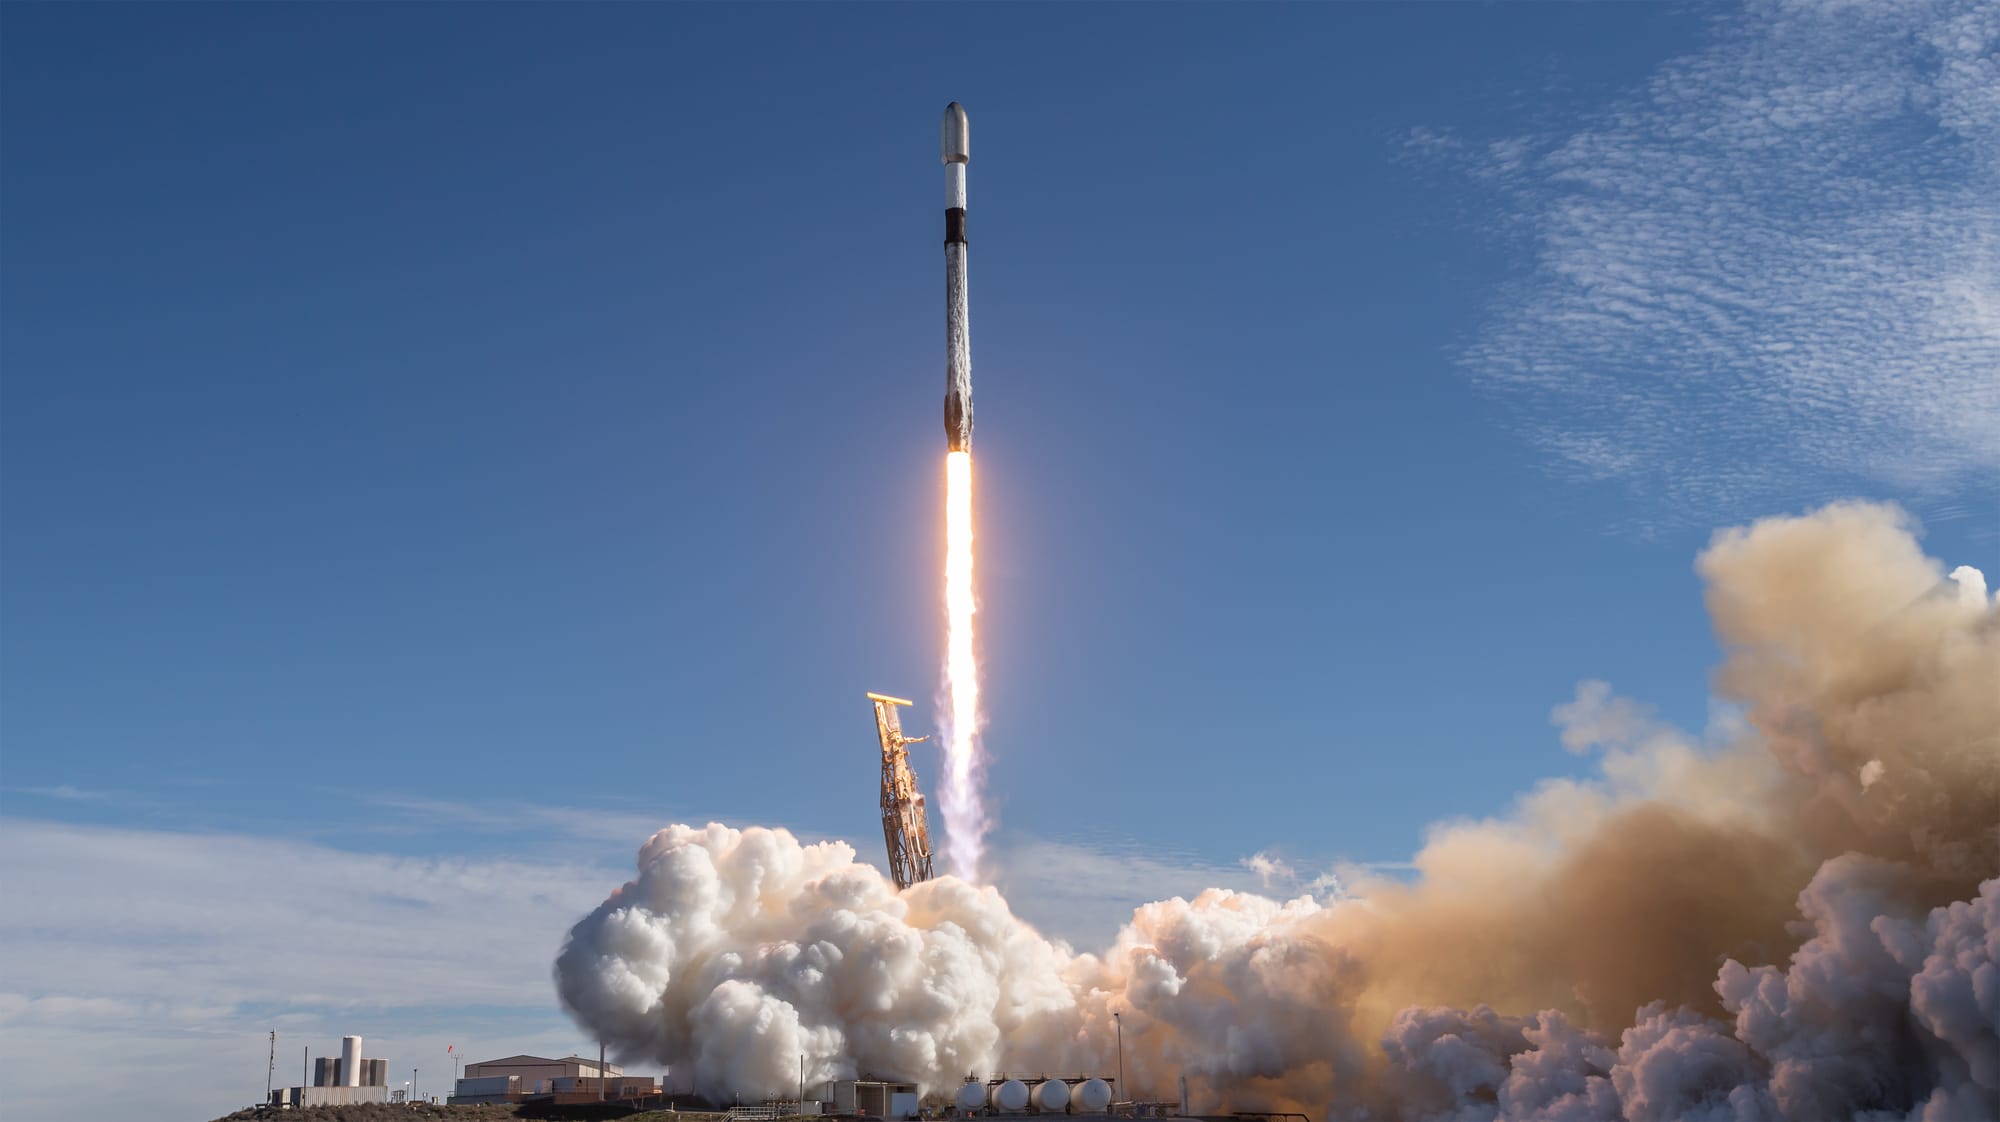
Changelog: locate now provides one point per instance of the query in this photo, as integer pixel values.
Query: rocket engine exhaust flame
(1799, 923)
(965, 822)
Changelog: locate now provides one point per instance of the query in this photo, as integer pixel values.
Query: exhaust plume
(1802, 923)
(965, 822)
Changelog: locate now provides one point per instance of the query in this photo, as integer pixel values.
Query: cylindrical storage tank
(1009, 1097)
(1092, 1096)
(972, 1096)
(1050, 1096)
(350, 1060)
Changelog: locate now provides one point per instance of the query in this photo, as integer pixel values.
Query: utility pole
(271, 1070)
(600, 1071)
(412, 1096)
(1119, 1020)
(802, 1083)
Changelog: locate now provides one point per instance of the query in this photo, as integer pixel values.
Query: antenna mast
(905, 827)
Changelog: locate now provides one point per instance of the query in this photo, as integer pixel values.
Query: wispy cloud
(1082, 891)
(1279, 876)
(62, 791)
(512, 817)
(171, 951)
(1270, 868)
(1770, 276)
(157, 916)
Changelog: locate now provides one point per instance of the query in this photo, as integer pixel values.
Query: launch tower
(904, 824)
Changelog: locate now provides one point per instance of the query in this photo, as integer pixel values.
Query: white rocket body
(955, 148)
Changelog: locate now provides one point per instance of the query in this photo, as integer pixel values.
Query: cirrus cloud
(1772, 274)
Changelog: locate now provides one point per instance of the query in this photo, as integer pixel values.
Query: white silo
(1009, 1097)
(350, 1060)
(1092, 1096)
(972, 1096)
(1050, 1096)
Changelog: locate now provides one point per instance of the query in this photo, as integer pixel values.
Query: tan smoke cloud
(1701, 930)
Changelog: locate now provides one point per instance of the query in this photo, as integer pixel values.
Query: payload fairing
(955, 145)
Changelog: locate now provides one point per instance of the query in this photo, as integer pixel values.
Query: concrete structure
(341, 1096)
(340, 1080)
(538, 1073)
(331, 1071)
(295, 1097)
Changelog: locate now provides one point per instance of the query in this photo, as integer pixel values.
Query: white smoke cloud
(1270, 868)
(1727, 933)
(1971, 586)
(1597, 718)
(1870, 772)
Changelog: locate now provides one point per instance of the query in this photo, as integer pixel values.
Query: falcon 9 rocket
(954, 142)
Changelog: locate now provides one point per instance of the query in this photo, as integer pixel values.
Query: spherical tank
(1092, 1096)
(1050, 1096)
(972, 1096)
(1010, 1097)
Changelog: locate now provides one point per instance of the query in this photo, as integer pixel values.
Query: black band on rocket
(954, 225)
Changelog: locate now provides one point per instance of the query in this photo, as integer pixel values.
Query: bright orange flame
(964, 815)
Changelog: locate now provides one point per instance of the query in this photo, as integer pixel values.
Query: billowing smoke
(1800, 922)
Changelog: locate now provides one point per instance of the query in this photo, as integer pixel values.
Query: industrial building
(339, 1080)
(572, 1078)
(535, 1071)
(863, 1098)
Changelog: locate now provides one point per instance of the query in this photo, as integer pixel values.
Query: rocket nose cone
(955, 136)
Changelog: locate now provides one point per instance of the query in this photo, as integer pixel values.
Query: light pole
(411, 1097)
(1119, 1020)
(802, 1083)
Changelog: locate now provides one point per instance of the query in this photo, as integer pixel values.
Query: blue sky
(442, 444)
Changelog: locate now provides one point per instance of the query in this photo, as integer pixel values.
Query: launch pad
(905, 825)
